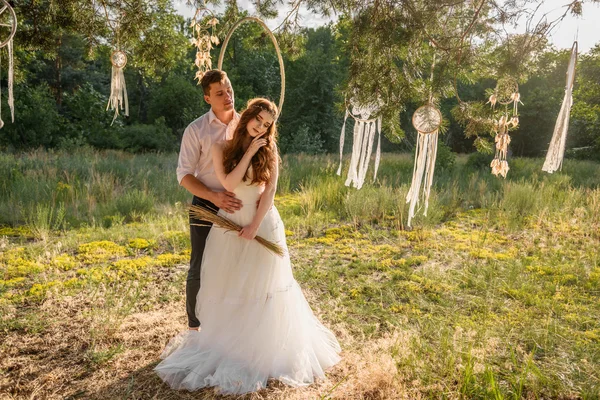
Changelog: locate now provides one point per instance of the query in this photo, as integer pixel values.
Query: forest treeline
(62, 85)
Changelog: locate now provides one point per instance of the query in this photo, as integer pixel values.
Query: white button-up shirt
(195, 156)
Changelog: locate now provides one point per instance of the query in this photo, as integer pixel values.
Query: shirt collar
(212, 117)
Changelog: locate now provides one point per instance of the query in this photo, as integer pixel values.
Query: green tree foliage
(405, 53)
(585, 122)
(39, 120)
(312, 92)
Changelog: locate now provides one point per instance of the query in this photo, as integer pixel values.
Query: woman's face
(259, 125)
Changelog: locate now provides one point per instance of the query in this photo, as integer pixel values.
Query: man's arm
(197, 188)
(224, 200)
(189, 154)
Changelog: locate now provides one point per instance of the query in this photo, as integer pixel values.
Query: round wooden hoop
(436, 110)
(268, 31)
(506, 81)
(4, 4)
(112, 57)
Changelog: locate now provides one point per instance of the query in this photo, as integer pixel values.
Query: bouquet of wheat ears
(205, 214)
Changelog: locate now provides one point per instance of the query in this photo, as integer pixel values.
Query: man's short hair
(212, 76)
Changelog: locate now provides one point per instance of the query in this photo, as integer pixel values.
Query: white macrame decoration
(8, 28)
(556, 152)
(118, 89)
(365, 129)
(506, 93)
(204, 23)
(426, 120)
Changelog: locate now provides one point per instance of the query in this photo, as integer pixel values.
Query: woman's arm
(265, 204)
(231, 180)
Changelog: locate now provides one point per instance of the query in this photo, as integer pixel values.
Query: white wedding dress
(256, 323)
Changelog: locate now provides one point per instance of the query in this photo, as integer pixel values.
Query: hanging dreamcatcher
(556, 152)
(8, 28)
(363, 139)
(427, 121)
(118, 59)
(277, 50)
(506, 93)
(203, 24)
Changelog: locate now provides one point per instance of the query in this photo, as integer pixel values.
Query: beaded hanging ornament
(8, 28)
(506, 93)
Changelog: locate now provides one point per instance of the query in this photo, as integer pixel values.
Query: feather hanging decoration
(556, 151)
(506, 93)
(204, 39)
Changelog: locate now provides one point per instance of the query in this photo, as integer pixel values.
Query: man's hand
(248, 232)
(227, 202)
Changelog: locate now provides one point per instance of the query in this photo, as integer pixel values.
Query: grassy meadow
(495, 294)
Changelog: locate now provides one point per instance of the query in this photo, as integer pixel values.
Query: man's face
(221, 96)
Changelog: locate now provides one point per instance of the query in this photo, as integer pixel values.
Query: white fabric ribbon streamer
(362, 148)
(556, 151)
(118, 93)
(356, 144)
(11, 78)
(378, 154)
(342, 138)
(425, 156)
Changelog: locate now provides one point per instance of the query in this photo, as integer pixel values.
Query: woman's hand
(248, 232)
(256, 144)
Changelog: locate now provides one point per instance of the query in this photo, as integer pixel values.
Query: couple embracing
(248, 319)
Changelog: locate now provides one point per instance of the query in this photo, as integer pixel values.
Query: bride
(256, 323)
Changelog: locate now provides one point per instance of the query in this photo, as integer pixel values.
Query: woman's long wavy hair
(266, 158)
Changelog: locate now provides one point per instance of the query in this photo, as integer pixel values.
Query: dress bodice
(248, 194)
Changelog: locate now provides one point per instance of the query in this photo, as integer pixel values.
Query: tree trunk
(142, 111)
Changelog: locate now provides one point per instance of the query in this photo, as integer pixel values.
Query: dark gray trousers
(198, 236)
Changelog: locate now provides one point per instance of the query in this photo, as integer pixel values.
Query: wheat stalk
(205, 214)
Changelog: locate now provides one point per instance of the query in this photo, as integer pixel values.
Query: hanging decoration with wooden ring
(118, 89)
(427, 121)
(506, 93)
(363, 138)
(268, 31)
(204, 23)
(556, 152)
(8, 28)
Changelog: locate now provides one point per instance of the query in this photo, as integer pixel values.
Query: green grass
(494, 295)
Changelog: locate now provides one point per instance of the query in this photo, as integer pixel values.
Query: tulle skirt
(255, 321)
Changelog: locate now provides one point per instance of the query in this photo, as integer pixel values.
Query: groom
(196, 173)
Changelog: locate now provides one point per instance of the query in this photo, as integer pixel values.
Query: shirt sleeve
(189, 154)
